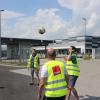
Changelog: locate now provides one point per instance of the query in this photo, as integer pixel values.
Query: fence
(96, 53)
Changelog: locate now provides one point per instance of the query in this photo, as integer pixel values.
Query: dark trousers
(54, 98)
(32, 72)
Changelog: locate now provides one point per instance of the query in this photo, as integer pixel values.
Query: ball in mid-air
(41, 30)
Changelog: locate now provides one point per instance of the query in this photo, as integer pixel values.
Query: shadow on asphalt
(14, 86)
(88, 97)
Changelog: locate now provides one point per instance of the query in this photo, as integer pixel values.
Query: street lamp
(85, 22)
(0, 32)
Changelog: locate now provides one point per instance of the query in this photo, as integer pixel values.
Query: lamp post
(85, 21)
(0, 32)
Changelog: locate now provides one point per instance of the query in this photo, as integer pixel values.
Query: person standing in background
(33, 64)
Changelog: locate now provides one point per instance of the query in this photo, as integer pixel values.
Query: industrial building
(84, 44)
(19, 48)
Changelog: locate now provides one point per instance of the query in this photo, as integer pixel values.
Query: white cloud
(16, 24)
(11, 14)
(56, 27)
(84, 8)
(93, 20)
(27, 27)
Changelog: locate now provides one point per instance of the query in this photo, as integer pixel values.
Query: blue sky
(28, 7)
(61, 18)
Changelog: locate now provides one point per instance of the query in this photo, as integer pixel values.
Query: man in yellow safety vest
(53, 78)
(73, 72)
(33, 64)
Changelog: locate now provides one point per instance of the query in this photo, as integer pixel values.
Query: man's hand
(70, 50)
(41, 86)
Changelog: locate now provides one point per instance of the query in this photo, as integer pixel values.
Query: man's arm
(66, 77)
(67, 57)
(66, 74)
(41, 87)
(43, 77)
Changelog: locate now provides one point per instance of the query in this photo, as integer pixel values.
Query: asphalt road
(15, 86)
(14, 82)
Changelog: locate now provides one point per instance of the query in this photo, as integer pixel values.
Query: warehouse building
(84, 44)
(19, 48)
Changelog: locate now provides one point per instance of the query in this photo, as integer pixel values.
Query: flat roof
(34, 42)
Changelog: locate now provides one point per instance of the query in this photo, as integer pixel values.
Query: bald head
(51, 53)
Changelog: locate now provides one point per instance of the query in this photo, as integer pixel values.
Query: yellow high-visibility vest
(36, 61)
(33, 62)
(73, 68)
(30, 62)
(56, 85)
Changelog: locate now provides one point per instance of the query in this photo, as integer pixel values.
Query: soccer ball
(41, 30)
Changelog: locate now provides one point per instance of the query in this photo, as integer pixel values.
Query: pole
(0, 35)
(85, 27)
(84, 19)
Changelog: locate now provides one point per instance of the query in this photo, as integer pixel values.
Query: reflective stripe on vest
(73, 69)
(56, 85)
(36, 61)
(75, 65)
(56, 81)
(31, 61)
(54, 89)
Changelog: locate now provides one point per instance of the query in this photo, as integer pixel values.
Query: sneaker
(31, 83)
(38, 84)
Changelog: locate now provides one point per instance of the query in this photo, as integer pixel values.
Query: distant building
(19, 48)
(84, 44)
